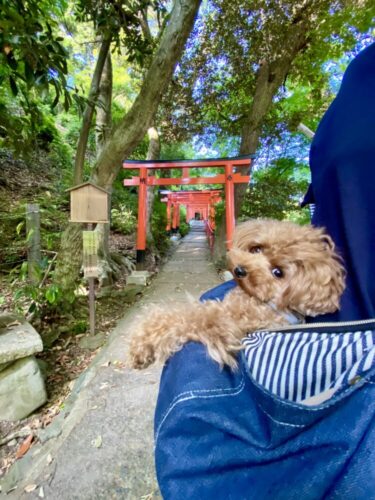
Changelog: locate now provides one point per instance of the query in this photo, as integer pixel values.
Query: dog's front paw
(141, 356)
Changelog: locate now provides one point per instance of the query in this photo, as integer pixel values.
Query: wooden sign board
(88, 203)
(90, 254)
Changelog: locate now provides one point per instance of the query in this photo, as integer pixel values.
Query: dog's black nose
(240, 272)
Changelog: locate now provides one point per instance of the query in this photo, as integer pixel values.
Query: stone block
(22, 389)
(141, 278)
(18, 338)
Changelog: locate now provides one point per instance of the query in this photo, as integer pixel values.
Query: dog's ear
(317, 281)
(328, 243)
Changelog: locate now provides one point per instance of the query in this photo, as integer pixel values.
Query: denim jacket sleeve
(219, 435)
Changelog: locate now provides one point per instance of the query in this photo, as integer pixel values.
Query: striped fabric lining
(299, 365)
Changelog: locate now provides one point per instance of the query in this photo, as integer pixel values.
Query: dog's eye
(256, 249)
(277, 272)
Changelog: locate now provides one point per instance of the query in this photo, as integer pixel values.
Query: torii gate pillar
(229, 203)
(142, 217)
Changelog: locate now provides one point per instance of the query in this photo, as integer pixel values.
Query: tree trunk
(69, 259)
(103, 130)
(269, 78)
(104, 106)
(136, 122)
(89, 111)
(153, 153)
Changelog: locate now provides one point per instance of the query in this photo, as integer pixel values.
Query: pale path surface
(112, 406)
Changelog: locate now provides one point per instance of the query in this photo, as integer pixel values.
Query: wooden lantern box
(88, 203)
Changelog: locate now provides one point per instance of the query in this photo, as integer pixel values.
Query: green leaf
(19, 227)
(50, 295)
(30, 234)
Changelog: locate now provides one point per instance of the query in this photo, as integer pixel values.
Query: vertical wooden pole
(142, 218)
(33, 241)
(229, 204)
(90, 227)
(92, 305)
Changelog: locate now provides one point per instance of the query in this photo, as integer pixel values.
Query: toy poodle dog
(282, 269)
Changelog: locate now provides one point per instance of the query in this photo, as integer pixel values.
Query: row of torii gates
(200, 202)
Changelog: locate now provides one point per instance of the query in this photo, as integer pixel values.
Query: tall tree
(233, 82)
(223, 72)
(102, 132)
(134, 124)
(89, 110)
(104, 107)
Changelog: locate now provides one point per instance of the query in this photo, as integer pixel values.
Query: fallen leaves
(30, 487)
(97, 442)
(25, 446)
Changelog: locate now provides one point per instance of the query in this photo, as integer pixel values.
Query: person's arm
(219, 292)
(194, 393)
(197, 426)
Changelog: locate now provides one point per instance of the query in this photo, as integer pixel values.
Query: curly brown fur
(281, 267)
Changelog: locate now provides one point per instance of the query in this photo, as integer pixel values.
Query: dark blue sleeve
(220, 436)
(219, 292)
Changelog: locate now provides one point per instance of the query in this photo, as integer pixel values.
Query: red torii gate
(201, 201)
(228, 178)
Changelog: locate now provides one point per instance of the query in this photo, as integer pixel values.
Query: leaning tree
(133, 126)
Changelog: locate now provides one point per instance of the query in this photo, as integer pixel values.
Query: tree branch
(135, 123)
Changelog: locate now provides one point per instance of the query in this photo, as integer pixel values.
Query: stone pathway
(101, 444)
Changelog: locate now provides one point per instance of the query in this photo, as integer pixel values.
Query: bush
(123, 220)
(158, 225)
(184, 228)
(275, 192)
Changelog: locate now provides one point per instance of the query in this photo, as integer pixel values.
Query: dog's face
(294, 267)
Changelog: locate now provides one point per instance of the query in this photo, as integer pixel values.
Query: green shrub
(123, 220)
(275, 192)
(184, 228)
(158, 225)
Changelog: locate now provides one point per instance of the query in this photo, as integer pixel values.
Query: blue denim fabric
(219, 436)
(219, 292)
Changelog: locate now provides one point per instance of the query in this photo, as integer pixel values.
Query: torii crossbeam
(229, 177)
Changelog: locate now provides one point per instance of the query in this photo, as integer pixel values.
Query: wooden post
(33, 241)
(229, 204)
(142, 218)
(91, 280)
